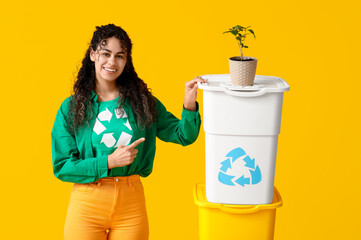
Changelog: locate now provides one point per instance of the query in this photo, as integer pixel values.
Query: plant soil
(239, 59)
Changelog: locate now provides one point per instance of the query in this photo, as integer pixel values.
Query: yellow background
(313, 45)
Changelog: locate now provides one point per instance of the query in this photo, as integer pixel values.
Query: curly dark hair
(130, 86)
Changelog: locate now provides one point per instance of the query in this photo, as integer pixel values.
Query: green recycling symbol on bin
(239, 162)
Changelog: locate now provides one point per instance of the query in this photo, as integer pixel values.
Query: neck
(106, 90)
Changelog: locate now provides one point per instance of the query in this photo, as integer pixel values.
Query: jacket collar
(94, 96)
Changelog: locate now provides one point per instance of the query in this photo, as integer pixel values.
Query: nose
(111, 60)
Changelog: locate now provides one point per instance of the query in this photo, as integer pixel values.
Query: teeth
(110, 70)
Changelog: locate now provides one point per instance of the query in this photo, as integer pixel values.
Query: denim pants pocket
(138, 186)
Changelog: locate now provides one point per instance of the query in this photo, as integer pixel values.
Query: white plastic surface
(227, 114)
(248, 118)
(262, 84)
(261, 148)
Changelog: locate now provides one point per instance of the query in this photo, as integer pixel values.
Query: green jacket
(73, 157)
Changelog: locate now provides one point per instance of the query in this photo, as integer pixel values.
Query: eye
(120, 56)
(106, 54)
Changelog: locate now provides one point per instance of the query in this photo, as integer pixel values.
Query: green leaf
(245, 46)
(242, 45)
(227, 32)
(234, 32)
(251, 31)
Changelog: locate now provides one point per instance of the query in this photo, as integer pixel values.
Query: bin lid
(262, 84)
(199, 194)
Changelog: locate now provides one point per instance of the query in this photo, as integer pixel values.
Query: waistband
(131, 178)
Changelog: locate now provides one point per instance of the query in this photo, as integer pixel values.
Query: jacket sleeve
(67, 166)
(171, 129)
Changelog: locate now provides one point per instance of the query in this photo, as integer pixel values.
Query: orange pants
(111, 208)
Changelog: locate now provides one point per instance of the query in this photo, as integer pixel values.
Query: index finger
(199, 79)
(195, 80)
(136, 142)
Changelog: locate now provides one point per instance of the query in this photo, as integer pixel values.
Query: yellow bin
(225, 221)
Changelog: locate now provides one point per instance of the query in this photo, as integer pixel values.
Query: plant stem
(240, 48)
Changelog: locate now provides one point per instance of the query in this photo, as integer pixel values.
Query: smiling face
(109, 60)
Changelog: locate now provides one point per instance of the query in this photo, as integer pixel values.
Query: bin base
(248, 222)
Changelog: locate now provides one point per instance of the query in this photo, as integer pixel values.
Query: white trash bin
(241, 127)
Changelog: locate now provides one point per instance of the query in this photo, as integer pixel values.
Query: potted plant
(242, 69)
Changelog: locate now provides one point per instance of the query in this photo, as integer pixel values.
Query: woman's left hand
(190, 95)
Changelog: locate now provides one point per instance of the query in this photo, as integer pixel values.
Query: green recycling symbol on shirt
(109, 125)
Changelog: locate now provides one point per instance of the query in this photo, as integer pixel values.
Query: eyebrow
(111, 51)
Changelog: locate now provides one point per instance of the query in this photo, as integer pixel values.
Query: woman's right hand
(124, 155)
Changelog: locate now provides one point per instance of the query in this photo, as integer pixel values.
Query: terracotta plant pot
(242, 72)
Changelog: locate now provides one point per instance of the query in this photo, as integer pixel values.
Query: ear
(92, 55)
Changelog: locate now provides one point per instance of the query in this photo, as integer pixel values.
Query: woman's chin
(106, 78)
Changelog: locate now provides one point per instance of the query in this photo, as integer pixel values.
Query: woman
(103, 140)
